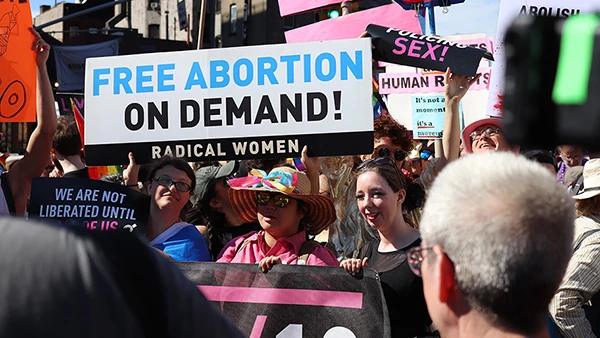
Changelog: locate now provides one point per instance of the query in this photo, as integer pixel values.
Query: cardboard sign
(95, 205)
(509, 10)
(294, 300)
(429, 114)
(354, 24)
(429, 52)
(231, 103)
(17, 63)
(419, 82)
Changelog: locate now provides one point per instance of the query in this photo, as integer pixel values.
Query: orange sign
(17, 63)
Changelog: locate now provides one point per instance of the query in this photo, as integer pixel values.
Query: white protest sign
(510, 10)
(231, 103)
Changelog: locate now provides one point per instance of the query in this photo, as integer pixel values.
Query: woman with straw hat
(283, 206)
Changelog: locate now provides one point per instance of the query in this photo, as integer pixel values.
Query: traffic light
(333, 11)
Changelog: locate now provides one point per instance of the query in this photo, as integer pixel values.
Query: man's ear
(303, 210)
(446, 273)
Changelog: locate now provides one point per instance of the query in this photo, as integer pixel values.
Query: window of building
(154, 31)
(218, 6)
(154, 5)
(232, 19)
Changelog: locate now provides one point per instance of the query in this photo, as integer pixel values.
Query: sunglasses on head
(381, 161)
(263, 198)
(399, 154)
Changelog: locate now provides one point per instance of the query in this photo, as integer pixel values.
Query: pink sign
(289, 7)
(353, 25)
(408, 83)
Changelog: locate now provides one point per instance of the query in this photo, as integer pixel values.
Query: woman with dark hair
(384, 198)
(212, 208)
(170, 183)
(282, 203)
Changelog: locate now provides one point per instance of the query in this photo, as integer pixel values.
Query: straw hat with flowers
(284, 180)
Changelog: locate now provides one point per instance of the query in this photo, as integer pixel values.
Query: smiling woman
(170, 184)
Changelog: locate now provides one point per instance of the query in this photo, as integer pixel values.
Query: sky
(469, 17)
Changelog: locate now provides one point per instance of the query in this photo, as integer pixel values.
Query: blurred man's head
(490, 223)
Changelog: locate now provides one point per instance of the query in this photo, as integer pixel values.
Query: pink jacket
(286, 248)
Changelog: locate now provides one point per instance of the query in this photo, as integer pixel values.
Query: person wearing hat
(581, 282)
(287, 212)
(212, 208)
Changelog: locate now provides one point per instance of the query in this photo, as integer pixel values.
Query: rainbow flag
(94, 172)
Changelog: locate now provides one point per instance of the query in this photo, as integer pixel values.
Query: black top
(220, 236)
(81, 173)
(402, 289)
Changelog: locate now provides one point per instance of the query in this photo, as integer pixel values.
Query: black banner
(293, 301)
(95, 205)
(65, 103)
(423, 51)
(336, 144)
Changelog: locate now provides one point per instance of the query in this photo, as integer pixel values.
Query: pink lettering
(430, 51)
(400, 45)
(415, 46)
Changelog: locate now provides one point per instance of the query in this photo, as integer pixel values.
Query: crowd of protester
(470, 239)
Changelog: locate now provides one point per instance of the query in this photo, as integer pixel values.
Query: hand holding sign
(41, 48)
(428, 52)
(456, 86)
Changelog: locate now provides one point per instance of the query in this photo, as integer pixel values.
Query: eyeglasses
(476, 135)
(382, 161)
(399, 154)
(281, 201)
(415, 258)
(167, 182)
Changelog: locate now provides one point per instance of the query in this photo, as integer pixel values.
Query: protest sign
(17, 63)
(354, 24)
(68, 101)
(95, 205)
(428, 115)
(294, 300)
(423, 82)
(510, 10)
(429, 52)
(231, 103)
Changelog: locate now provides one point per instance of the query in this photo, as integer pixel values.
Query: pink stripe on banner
(349, 300)
(409, 83)
(258, 327)
(353, 25)
(289, 7)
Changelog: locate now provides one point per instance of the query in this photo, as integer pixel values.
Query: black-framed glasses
(382, 161)
(167, 182)
(399, 154)
(415, 259)
(491, 131)
(263, 198)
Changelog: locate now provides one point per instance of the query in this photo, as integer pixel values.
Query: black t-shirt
(81, 173)
(220, 236)
(402, 289)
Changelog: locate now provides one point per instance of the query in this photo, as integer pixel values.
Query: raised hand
(456, 86)
(41, 48)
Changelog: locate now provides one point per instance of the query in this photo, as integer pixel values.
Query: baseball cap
(207, 175)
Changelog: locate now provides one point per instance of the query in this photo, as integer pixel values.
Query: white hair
(507, 226)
